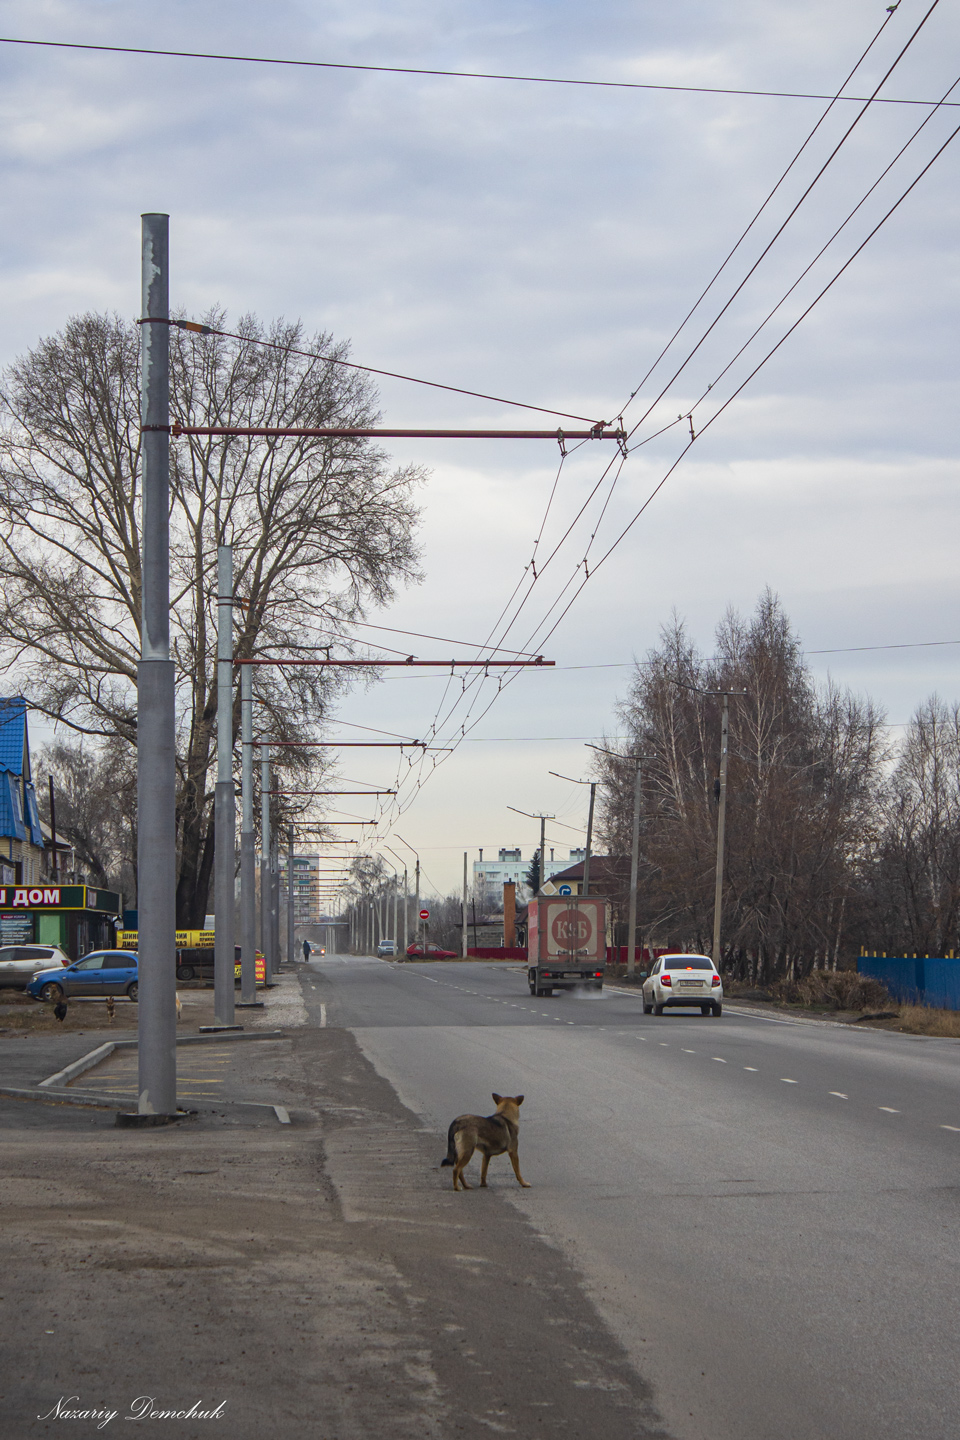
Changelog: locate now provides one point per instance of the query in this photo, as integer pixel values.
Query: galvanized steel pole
(156, 759)
(290, 924)
(634, 870)
(275, 900)
(225, 803)
(265, 862)
(248, 873)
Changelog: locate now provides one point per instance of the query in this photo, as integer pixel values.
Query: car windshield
(688, 962)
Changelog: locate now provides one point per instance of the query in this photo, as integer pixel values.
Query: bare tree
(96, 798)
(805, 773)
(912, 877)
(321, 529)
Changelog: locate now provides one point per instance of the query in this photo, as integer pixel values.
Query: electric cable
(446, 74)
(782, 227)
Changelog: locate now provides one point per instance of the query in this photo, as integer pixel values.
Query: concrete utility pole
(225, 804)
(587, 856)
(248, 901)
(463, 940)
(275, 899)
(721, 828)
(722, 797)
(265, 937)
(156, 732)
(634, 872)
(290, 916)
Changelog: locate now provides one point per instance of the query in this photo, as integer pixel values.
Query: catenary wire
(447, 74)
(792, 212)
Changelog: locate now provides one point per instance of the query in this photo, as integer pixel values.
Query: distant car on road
(19, 963)
(430, 952)
(688, 980)
(385, 948)
(104, 972)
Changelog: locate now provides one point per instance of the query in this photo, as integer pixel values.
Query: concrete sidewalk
(317, 1280)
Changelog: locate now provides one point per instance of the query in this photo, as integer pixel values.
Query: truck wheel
(184, 972)
(543, 990)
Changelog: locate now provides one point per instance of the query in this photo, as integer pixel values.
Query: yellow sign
(185, 939)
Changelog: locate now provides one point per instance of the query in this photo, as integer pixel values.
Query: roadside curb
(94, 1057)
(92, 1101)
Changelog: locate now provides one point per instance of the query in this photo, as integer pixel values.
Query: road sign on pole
(424, 914)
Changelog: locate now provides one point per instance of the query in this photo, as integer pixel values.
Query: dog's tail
(451, 1156)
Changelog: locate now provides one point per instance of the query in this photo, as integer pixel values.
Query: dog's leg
(483, 1172)
(462, 1160)
(515, 1162)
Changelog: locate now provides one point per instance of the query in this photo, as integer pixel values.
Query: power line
(449, 74)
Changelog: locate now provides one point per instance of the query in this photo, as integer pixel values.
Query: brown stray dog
(490, 1134)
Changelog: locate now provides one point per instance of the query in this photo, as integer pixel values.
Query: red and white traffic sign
(424, 914)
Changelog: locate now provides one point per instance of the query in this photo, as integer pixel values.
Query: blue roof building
(21, 838)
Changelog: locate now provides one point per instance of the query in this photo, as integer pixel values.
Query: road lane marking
(789, 1082)
(951, 1127)
(665, 1043)
(839, 1094)
(689, 1052)
(888, 1110)
(719, 1059)
(323, 1016)
(751, 1067)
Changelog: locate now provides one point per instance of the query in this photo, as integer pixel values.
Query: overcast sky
(542, 243)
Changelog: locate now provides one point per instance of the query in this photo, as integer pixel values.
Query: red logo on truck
(571, 929)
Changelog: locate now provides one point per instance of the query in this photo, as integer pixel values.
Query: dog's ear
(497, 1098)
(519, 1099)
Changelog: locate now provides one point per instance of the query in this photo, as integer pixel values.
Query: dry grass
(920, 1020)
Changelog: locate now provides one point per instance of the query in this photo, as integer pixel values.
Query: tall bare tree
(805, 773)
(321, 529)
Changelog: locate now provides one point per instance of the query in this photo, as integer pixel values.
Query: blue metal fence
(916, 981)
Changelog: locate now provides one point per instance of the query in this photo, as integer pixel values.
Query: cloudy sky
(543, 243)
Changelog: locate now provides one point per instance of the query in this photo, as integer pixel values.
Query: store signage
(57, 897)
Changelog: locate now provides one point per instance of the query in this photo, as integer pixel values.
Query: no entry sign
(424, 914)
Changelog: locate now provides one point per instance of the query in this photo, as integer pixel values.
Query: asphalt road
(765, 1213)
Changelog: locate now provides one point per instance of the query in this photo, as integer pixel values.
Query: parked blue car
(104, 972)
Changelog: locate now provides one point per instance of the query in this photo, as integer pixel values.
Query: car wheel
(133, 990)
(185, 972)
(647, 1007)
(717, 1010)
(51, 992)
(658, 1009)
(705, 1009)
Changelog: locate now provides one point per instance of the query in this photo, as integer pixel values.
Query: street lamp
(416, 903)
(543, 833)
(593, 796)
(634, 855)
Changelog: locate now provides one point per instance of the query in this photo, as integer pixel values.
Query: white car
(19, 963)
(689, 980)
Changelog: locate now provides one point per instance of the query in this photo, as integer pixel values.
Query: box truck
(566, 943)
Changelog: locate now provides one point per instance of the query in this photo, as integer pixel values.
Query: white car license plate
(691, 984)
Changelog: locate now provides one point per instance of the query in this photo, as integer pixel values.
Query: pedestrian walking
(307, 950)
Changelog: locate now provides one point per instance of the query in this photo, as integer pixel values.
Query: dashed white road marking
(753, 1068)
(689, 1052)
(719, 1059)
(951, 1127)
(789, 1082)
(888, 1109)
(839, 1094)
(323, 1016)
